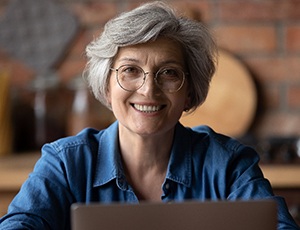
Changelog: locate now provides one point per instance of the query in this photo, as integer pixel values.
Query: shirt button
(167, 186)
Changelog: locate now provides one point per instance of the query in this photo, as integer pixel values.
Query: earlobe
(108, 97)
(187, 104)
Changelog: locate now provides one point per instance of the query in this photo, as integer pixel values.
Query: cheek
(115, 94)
(180, 103)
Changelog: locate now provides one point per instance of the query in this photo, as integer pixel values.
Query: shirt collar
(109, 164)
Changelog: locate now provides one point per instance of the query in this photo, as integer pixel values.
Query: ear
(187, 104)
(108, 91)
(108, 96)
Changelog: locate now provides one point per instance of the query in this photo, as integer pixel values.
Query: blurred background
(263, 35)
(255, 97)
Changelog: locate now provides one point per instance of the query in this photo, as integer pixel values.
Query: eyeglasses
(132, 78)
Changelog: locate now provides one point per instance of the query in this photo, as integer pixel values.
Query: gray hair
(147, 23)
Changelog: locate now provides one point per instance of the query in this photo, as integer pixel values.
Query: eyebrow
(171, 61)
(128, 59)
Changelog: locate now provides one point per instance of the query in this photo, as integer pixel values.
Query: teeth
(147, 108)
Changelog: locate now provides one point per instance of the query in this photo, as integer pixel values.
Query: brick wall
(264, 35)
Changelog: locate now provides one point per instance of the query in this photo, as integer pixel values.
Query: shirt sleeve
(44, 200)
(246, 181)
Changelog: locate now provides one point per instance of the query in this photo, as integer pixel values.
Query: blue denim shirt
(87, 168)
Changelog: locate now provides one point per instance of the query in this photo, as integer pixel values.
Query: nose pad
(150, 86)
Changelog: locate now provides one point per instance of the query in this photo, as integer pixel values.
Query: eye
(132, 70)
(170, 73)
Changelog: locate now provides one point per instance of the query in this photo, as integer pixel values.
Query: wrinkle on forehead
(157, 53)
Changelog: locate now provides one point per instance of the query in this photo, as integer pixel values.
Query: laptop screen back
(237, 215)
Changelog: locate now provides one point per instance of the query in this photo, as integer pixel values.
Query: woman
(148, 66)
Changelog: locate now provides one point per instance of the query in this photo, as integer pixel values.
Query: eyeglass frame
(145, 75)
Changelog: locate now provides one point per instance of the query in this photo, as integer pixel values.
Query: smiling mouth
(148, 108)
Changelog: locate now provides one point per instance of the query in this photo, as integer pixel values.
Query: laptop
(221, 215)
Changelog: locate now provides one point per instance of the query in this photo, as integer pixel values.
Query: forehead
(154, 52)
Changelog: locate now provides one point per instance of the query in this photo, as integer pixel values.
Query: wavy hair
(147, 23)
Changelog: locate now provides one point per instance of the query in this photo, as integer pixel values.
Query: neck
(142, 153)
(145, 161)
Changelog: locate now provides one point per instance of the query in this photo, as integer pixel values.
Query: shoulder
(75, 154)
(85, 141)
(217, 139)
(85, 146)
(221, 146)
(224, 153)
(87, 137)
(69, 153)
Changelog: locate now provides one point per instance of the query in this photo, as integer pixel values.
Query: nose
(149, 87)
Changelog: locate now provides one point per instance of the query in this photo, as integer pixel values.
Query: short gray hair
(147, 23)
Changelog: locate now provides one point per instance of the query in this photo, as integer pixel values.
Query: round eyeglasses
(132, 78)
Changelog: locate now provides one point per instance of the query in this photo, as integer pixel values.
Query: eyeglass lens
(168, 79)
